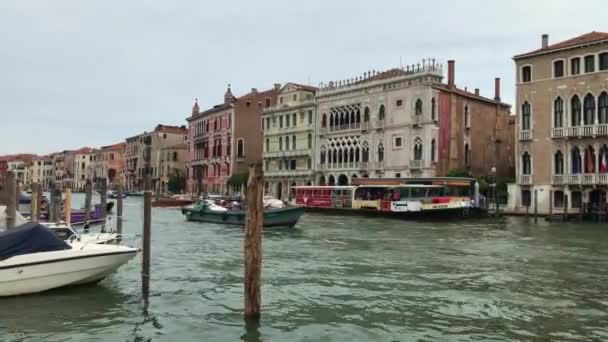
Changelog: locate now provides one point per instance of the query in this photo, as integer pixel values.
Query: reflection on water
(341, 279)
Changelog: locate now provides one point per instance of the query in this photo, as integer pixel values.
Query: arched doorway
(332, 180)
(322, 180)
(342, 180)
(279, 190)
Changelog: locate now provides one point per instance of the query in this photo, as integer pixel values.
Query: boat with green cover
(273, 217)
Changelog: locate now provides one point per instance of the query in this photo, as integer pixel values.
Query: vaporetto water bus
(401, 197)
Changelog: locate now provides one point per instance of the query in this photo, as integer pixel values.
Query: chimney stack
(476, 91)
(254, 90)
(497, 89)
(277, 86)
(545, 41)
(451, 68)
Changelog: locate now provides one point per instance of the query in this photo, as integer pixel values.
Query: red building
(225, 139)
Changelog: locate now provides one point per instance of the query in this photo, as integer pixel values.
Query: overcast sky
(89, 73)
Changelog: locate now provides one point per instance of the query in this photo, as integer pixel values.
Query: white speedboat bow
(33, 259)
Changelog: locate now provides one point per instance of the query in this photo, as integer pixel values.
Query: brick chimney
(451, 67)
(277, 86)
(497, 89)
(476, 91)
(254, 90)
(545, 41)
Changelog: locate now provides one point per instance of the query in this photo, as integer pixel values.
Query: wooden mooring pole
(147, 229)
(67, 208)
(535, 206)
(88, 195)
(56, 194)
(35, 203)
(119, 210)
(253, 243)
(12, 200)
(104, 199)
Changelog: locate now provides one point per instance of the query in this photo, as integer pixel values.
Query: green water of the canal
(340, 279)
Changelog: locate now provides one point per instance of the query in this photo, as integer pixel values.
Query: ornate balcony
(288, 153)
(365, 126)
(587, 131)
(525, 179)
(558, 133)
(588, 179)
(288, 173)
(379, 165)
(574, 179)
(601, 129)
(379, 124)
(602, 178)
(525, 135)
(364, 165)
(557, 180)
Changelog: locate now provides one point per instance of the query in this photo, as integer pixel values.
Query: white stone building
(377, 125)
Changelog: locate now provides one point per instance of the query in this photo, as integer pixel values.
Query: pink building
(225, 140)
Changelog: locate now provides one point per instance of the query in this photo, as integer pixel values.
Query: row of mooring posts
(253, 228)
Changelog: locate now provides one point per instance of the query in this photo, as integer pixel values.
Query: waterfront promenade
(341, 279)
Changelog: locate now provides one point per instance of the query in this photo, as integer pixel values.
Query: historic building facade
(289, 139)
(225, 140)
(172, 162)
(161, 137)
(404, 123)
(108, 164)
(562, 124)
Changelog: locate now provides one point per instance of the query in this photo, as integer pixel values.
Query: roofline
(549, 51)
(445, 87)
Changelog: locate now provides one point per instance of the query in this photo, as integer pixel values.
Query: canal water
(341, 279)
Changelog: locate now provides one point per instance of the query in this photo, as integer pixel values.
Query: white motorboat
(33, 259)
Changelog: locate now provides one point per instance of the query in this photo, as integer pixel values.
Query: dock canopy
(29, 238)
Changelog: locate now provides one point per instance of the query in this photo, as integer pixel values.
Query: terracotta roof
(81, 150)
(265, 93)
(171, 129)
(587, 38)
(470, 95)
(25, 157)
(115, 147)
(215, 109)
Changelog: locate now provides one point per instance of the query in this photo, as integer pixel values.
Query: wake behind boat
(33, 259)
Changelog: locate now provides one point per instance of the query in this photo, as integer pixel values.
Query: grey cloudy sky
(90, 73)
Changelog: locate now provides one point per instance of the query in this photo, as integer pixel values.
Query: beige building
(562, 124)
(172, 161)
(162, 136)
(289, 140)
(41, 171)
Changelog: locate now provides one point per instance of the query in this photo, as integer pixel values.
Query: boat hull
(50, 270)
(284, 217)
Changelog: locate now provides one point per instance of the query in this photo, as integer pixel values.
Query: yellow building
(289, 140)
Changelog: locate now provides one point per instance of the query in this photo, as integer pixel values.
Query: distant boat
(114, 194)
(206, 211)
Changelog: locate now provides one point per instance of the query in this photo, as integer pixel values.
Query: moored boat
(204, 211)
(33, 259)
